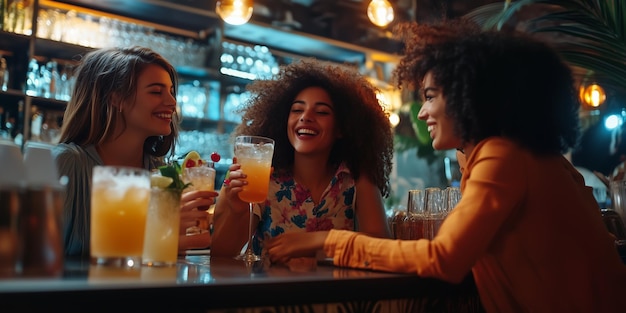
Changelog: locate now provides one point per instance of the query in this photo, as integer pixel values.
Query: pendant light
(234, 12)
(380, 12)
(592, 96)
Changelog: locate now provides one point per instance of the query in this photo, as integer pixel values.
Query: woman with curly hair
(527, 227)
(332, 157)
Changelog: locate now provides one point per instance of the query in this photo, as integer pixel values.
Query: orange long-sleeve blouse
(526, 226)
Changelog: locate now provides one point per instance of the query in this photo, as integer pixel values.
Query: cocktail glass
(119, 206)
(160, 246)
(201, 178)
(254, 154)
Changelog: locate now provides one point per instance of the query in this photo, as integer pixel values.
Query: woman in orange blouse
(527, 226)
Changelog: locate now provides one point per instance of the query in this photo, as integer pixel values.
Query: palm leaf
(495, 15)
(590, 34)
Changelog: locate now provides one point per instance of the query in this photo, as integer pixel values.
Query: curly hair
(496, 83)
(366, 146)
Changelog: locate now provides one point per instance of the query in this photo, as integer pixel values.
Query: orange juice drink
(254, 153)
(258, 176)
(119, 206)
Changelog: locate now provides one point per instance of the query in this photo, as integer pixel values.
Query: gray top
(76, 163)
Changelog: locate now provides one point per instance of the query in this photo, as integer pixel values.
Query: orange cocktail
(258, 174)
(254, 153)
(119, 206)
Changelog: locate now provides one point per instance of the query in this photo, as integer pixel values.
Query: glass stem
(249, 249)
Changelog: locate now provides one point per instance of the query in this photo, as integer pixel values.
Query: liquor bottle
(3, 8)
(32, 78)
(4, 74)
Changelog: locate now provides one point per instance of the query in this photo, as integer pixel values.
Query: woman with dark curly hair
(526, 226)
(332, 157)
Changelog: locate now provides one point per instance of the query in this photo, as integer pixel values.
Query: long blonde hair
(104, 78)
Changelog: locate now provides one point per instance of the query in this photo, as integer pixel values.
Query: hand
(199, 241)
(233, 184)
(293, 245)
(194, 206)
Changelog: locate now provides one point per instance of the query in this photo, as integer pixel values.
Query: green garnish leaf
(173, 171)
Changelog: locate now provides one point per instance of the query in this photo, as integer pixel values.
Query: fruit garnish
(160, 181)
(215, 157)
(173, 172)
(192, 159)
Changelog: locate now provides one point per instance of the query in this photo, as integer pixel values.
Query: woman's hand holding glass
(194, 207)
(233, 184)
(201, 200)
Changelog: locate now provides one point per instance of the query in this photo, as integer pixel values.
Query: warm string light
(234, 12)
(394, 119)
(380, 12)
(592, 96)
(390, 101)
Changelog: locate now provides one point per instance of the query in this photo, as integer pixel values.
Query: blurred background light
(234, 12)
(380, 12)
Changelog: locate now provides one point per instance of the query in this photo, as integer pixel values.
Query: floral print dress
(290, 207)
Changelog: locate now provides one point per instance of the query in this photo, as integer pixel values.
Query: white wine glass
(254, 154)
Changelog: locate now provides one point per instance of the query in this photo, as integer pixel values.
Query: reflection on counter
(181, 273)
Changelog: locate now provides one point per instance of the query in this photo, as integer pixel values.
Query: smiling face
(311, 125)
(155, 104)
(433, 111)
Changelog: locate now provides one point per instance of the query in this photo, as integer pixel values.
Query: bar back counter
(199, 283)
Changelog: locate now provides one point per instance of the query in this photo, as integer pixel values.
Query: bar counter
(199, 283)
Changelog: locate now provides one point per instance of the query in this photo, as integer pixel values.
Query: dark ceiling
(275, 21)
(346, 20)
(315, 16)
(419, 10)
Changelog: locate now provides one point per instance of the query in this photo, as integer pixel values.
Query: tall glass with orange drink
(254, 154)
(258, 173)
(119, 206)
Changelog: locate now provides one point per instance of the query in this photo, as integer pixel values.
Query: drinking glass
(416, 217)
(254, 154)
(396, 223)
(452, 195)
(160, 246)
(11, 190)
(435, 211)
(119, 206)
(201, 178)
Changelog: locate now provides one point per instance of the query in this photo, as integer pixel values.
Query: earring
(120, 109)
